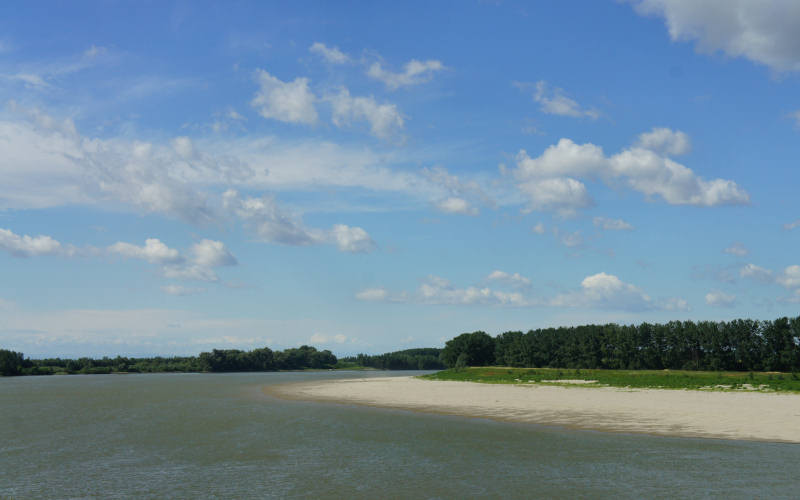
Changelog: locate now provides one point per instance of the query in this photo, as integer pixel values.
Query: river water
(220, 436)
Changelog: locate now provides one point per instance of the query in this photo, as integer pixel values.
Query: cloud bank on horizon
(350, 186)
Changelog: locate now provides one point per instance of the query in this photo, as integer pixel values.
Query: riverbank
(709, 414)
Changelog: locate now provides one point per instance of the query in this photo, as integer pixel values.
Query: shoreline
(751, 416)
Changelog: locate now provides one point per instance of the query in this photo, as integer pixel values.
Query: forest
(409, 359)
(218, 360)
(738, 345)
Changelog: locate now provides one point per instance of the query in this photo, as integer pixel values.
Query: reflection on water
(219, 436)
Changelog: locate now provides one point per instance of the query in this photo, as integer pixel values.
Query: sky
(374, 176)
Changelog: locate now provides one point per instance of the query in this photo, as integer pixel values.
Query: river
(221, 436)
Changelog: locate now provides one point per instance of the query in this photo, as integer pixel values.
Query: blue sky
(367, 177)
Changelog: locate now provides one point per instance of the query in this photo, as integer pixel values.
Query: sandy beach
(710, 414)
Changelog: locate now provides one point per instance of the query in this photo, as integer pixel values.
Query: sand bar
(712, 414)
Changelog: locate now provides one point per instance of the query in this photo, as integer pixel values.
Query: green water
(219, 436)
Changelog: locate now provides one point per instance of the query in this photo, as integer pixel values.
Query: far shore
(709, 414)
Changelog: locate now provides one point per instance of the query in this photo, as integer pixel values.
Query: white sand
(728, 415)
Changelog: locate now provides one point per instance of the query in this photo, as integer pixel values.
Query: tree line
(738, 345)
(218, 360)
(410, 359)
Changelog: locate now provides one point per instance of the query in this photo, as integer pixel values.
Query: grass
(652, 379)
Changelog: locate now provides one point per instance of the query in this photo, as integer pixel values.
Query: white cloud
(331, 54)
(514, 279)
(461, 195)
(291, 102)
(763, 32)
(372, 294)
(737, 249)
(437, 290)
(269, 221)
(538, 228)
(789, 277)
(29, 79)
(603, 290)
(716, 298)
(795, 115)
(549, 182)
(385, 120)
(665, 141)
(757, 273)
(791, 225)
(206, 255)
(273, 225)
(455, 205)
(210, 253)
(29, 246)
(179, 290)
(153, 251)
(414, 73)
(319, 338)
(47, 163)
(553, 101)
(793, 299)
(564, 195)
(190, 272)
(351, 239)
(607, 224)
(568, 239)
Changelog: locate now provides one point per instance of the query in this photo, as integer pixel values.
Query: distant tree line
(409, 359)
(742, 344)
(218, 360)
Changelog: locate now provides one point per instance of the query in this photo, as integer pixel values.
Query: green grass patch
(652, 379)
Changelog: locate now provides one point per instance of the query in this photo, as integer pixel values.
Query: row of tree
(739, 345)
(410, 359)
(218, 360)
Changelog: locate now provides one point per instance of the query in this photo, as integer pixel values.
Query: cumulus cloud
(570, 239)
(414, 73)
(319, 338)
(563, 195)
(455, 205)
(29, 246)
(607, 291)
(600, 290)
(716, 298)
(757, 273)
(554, 101)
(789, 277)
(181, 291)
(351, 239)
(514, 279)
(290, 102)
(791, 225)
(274, 225)
(763, 32)
(331, 54)
(372, 294)
(205, 256)
(210, 253)
(461, 195)
(270, 222)
(550, 183)
(153, 251)
(737, 249)
(607, 224)
(437, 290)
(665, 141)
(385, 120)
(538, 228)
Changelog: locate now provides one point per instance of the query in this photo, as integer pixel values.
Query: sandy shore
(727, 415)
